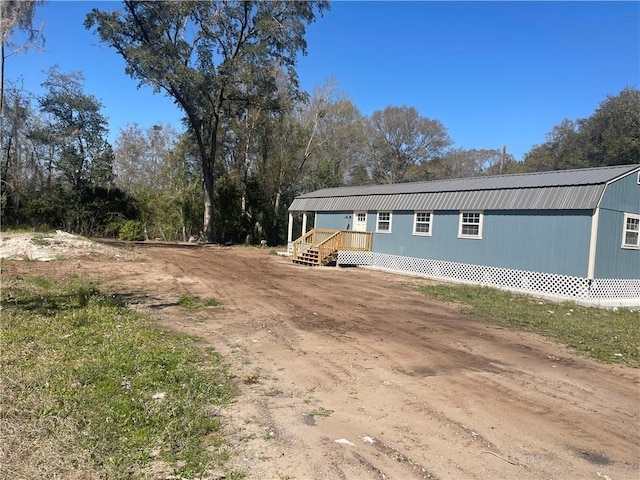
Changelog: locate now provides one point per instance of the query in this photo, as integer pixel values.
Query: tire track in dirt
(446, 396)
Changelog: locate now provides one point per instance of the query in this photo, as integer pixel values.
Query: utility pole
(503, 157)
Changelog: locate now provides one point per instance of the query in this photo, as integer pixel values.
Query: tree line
(252, 139)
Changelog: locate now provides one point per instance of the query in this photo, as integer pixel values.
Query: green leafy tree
(611, 136)
(208, 57)
(157, 167)
(19, 172)
(78, 128)
(563, 149)
(74, 127)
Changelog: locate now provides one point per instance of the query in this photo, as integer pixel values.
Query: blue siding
(336, 220)
(623, 195)
(552, 243)
(613, 261)
(555, 242)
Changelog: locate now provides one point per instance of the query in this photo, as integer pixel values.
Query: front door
(360, 221)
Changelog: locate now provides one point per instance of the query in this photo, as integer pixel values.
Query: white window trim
(415, 223)
(378, 221)
(472, 237)
(624, 231)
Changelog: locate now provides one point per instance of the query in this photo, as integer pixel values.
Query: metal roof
(556, 190)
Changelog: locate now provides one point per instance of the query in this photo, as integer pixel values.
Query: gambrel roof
(557, 190)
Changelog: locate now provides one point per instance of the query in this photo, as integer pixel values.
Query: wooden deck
(320, 246)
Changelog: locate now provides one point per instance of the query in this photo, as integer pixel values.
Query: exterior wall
(623, 195)
(535, 241)
(613, 261)
(336, 220)
(553, 242)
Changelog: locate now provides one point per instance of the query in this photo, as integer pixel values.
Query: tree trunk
(208, 230)
(2, 80)
(276, 209)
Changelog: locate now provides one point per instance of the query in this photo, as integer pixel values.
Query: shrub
(132, 231)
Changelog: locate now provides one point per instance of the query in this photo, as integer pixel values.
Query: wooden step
(311, 257)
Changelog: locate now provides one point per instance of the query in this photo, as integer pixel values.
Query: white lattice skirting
(600, 291)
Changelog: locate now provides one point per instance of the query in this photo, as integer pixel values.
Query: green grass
(610, 336)
(91, 389)
(321, 412)
(192, 302)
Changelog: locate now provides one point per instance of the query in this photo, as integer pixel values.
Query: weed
(321, 412)
(273, 392)
(211, 302)
(610, 336)
(235, 475)
(254, 377)
(188, 301)
(192, 302)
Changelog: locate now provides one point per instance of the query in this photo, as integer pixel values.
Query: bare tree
(400, 140)
(17, 15)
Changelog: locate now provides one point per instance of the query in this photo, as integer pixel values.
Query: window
(470, 225)
(422, 223)
(631, 231)
(384, 222)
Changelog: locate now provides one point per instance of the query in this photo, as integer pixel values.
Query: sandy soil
(350, 374)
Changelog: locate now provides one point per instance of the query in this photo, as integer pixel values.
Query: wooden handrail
(328, 242)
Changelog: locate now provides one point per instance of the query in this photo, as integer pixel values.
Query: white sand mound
(50, 246)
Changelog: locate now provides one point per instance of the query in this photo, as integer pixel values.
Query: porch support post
(304, 223)
(290, 234)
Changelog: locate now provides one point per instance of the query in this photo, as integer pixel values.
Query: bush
(132, 231)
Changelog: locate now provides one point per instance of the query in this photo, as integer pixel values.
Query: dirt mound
(60, 245)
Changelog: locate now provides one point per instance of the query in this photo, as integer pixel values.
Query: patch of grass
(321, 412)
(610, 336)
(41, 239)
(273, 392)
(92, 389)
(192, 302)
(211, 302)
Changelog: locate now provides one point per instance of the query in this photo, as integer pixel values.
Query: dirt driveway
(350, 374)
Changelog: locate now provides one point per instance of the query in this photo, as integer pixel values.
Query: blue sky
(494, 73)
